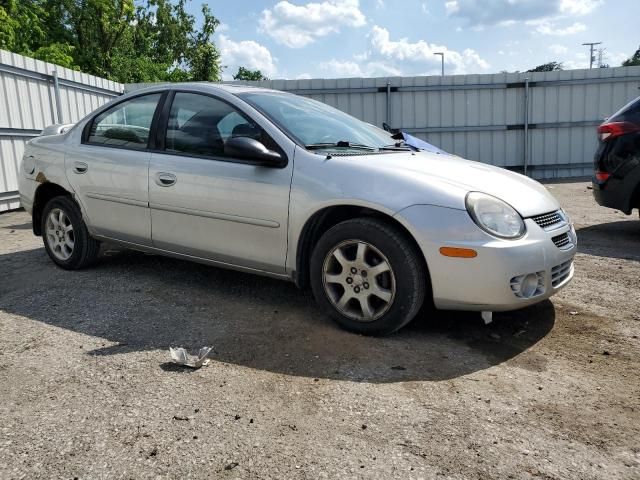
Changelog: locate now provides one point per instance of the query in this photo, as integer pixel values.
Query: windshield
(312, 123)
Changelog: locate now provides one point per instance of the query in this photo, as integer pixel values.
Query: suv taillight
(607, 131)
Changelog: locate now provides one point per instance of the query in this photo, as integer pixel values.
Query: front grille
(561, 272)
(562, 241)
(547, 220)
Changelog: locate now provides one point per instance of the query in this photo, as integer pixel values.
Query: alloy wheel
(358, 280)
(60, 235)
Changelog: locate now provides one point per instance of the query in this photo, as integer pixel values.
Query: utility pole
(591, 58)
(442, 55)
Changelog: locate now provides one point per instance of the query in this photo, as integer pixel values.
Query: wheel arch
(327, 217)
(45, 192)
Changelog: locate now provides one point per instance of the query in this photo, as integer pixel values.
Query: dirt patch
(549, 392)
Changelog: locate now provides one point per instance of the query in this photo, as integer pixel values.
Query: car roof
(231, 88)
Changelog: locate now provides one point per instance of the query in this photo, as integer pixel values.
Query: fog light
(528, 286)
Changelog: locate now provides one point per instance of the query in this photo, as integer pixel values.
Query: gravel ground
(87, 390)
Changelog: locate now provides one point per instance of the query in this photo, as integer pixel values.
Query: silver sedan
(276, 184)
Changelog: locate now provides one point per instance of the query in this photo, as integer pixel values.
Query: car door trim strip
(218, 216)
(126, 201)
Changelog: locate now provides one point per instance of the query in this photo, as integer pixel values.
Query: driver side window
(200, 125)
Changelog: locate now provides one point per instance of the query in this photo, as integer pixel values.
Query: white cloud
(616, 59)
(575, 64)
(246, 53)
(382, 69)
(579, 7)
(299, 25)
(347, 68)
(425, 8)
(558, 49)
(303, 76)
(422, 54)
(508, 12)
(493, 12)
(550, 28)
(452, 7)
(338, 68)
(387, 57)
(581, 59)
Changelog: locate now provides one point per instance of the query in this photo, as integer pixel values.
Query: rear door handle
(165, 179)
(80, 167)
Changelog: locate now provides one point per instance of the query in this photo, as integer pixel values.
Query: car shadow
(138, 302)
(18, 226)
(619, 239)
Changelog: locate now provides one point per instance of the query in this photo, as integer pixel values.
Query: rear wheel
(368, 276)
(65, 235)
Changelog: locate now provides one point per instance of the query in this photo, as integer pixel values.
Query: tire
(67, 241)
(381, 300)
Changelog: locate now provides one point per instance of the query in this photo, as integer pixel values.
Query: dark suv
(616, 181)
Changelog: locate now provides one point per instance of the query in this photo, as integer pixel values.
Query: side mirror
(251, 149)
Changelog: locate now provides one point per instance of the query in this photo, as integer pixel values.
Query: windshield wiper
(397, 146)
(339, 144)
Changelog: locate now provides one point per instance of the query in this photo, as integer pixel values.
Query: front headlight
(494, 216)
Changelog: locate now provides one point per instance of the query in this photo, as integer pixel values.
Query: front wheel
(65, 235)
(368, 276)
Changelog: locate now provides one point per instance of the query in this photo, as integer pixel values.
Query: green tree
(633, 60)
(547, 67)
(126, 41)
(249, 75)
(98, 31)
(202, 56)
(58, 53)
(21, 25)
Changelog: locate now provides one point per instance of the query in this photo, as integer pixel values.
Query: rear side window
(629, 113)
(200, 125)
(127, 124)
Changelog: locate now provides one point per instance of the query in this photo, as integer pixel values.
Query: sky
(379, 38)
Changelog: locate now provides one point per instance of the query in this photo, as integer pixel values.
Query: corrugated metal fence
(34, 94)
(482, 117)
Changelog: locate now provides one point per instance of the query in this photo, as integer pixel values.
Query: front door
(207, 204)
(109, 170)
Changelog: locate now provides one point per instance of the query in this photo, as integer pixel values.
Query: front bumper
(484, 283)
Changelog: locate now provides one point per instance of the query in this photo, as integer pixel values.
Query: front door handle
(80, 167)
(165, 179)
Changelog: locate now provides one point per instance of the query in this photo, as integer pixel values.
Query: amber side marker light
(458, 252)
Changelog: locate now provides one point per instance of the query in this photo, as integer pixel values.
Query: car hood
(454, 177)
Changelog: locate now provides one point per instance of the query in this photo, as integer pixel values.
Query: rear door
(208, 204)
(109, 169)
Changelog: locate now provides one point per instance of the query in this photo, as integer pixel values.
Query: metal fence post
(388, 103)
(526, 125)
(56, 88)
